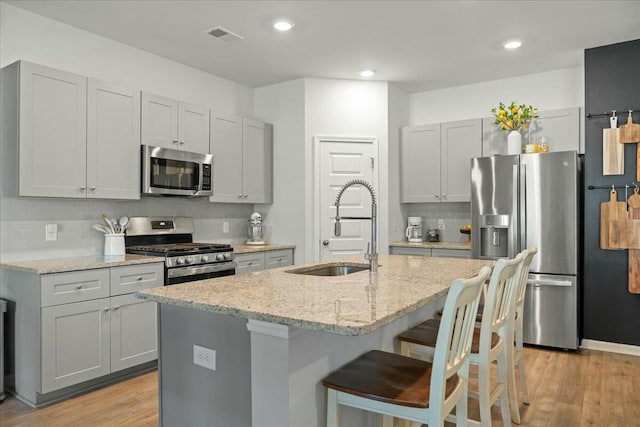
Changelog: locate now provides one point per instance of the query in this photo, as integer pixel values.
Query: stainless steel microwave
(175, 172)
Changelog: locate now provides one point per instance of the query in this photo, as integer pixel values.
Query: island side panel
(289, 365)
(192, 395)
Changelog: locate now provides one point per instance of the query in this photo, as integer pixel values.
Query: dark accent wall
(612, 82)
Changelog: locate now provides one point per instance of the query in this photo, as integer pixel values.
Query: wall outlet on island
(205, 357)
(441, 224)
(51, 232)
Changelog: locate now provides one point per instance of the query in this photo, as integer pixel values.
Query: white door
(159, 121)
(341, 162)
(193, 128)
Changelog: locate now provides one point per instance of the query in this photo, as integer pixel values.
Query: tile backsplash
(23, 219)
(455, 215)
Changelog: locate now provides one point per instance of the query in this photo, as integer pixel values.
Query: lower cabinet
(263, 260)
(432, 252)
(134, 331)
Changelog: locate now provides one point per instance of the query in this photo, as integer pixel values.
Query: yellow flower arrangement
(514, 116)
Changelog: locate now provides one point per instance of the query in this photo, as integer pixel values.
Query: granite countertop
(245, 249)
(61, 265)
(433, 245)
(354, 304)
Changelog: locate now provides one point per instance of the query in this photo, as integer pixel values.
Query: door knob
(325, 243)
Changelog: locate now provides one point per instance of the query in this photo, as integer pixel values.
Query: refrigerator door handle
(513, 227)
(538, 283)
(523, 206)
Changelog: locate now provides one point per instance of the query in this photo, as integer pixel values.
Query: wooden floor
(588, 388)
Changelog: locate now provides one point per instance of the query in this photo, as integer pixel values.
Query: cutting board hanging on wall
(612, 153)
(610, 211)
(630, 134)
(634, 255)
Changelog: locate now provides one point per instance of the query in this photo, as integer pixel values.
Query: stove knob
(189, 259)
(219, 257)
(227, 255)
(180, 260)
(204, 258)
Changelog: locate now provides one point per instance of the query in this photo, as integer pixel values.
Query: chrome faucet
(372, 253)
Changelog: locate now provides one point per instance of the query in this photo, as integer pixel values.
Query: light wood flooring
(589, 388)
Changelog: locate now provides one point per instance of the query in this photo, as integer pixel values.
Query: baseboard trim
(611, 347)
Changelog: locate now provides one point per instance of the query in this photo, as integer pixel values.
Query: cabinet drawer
(451, 253)
(279, 258)
(64, 288)
(247, 263)
(401, 250)
(132, 278)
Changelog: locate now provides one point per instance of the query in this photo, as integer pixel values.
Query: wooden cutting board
(610, 211)
(630, 132)
(612, 153)
(634, 258)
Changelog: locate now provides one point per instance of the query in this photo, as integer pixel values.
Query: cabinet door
(159, 121)
(134, 331)
(113, 141)
(461, 141)
(257, 155)
(420, 164)
(247, 263)
(52, 131)
(133, 278)
(75, 343)
(279, 258)
(561, 128)
(226, 147)
(193, 128)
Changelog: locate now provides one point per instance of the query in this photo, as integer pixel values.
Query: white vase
(514, 142)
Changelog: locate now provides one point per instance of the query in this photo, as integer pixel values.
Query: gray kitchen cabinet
(242, 151)
(401, 250)
(435, 161)
(75, 343)
(560, 128)
(134, 331)
(451, 253)
(76, 137)
(174, 124)
(263, 260)
(75, 328)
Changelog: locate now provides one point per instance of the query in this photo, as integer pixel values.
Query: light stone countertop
(246, 249)
(432, 245)
(346, 305)
(61, 265)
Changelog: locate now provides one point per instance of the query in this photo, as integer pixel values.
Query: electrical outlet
(204, 357)
(225, 226)
(441, 224)
(51, 232)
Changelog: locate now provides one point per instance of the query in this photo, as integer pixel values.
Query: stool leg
(332, 408)
(504, 396)
(520, 361)
(511, 381)
(484, 391)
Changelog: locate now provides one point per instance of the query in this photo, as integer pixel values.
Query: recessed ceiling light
(367, 73)
(282, 25)
(512, 44)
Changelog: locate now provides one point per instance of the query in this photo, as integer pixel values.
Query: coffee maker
(255, 229)
(414, 229)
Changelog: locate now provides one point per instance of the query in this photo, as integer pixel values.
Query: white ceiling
(420, 45)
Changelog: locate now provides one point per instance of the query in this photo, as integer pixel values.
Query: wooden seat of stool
(388, 377)
(426, 333)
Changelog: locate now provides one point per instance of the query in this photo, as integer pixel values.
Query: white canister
(114, 244)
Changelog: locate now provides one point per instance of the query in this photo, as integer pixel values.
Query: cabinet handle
(240, 196)
(140, 278)
(83, 188)
(245, 196)
(175, 141)
(78, 287)
(181, 142)
(250, 263)
(444, 196)
(92, 188)
(437, 196)
(116, 307)
(106, 309)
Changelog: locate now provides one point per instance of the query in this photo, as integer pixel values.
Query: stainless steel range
(172, 237)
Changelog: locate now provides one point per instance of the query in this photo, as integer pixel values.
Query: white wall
(346, 108)
(24, 35)
(548, 91)
(283, 105)
(398, 117)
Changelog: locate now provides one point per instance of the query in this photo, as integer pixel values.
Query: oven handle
(200, 269)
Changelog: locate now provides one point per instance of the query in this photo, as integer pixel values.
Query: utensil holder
(114, 244)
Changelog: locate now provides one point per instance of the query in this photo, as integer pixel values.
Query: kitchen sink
(330, 270)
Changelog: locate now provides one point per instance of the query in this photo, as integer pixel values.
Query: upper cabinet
(560, 129)
(435, 161)
(174, 124)
(76, 137)
(242, 151)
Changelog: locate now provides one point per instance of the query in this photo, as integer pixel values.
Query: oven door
(174, 172)
(177, 275)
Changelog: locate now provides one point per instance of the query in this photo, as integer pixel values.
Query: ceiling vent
(225, 35)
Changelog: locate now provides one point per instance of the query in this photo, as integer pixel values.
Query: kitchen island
(276, 334)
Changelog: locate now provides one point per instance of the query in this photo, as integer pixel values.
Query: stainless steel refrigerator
(526, 200)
